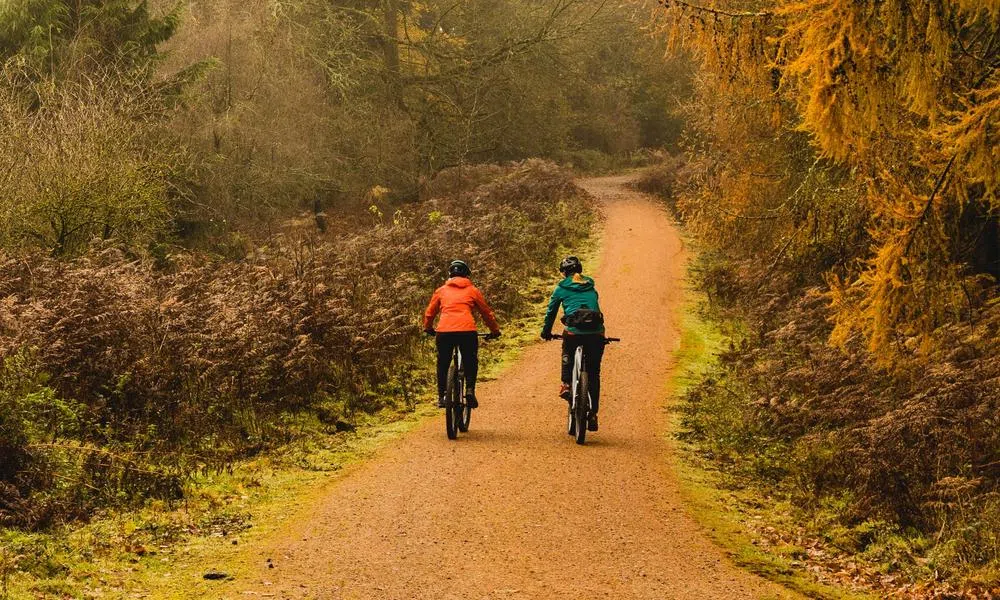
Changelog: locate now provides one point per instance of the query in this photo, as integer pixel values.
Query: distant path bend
(516, 510)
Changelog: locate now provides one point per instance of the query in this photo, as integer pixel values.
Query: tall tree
(907, 97)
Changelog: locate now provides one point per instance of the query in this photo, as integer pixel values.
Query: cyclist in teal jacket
(578, 297)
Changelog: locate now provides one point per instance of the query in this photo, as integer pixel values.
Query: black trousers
(468, 344)
(593, 349)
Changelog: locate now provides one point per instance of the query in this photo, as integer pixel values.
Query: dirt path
(515, 509)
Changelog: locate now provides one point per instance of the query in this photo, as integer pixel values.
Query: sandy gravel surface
(515, 509)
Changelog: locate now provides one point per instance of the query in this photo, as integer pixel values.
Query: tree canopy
(235, 115)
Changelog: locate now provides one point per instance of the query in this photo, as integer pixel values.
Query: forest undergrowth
(122, 376)
(874, 478)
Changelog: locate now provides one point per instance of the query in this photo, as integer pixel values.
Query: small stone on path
(216, 575)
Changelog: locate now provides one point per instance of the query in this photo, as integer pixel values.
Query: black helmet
(458, 268)
(570, 265)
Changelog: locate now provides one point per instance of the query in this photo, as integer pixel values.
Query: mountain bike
(458, 413)
(580, 402)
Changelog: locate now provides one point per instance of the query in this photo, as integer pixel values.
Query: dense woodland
(842, 167)
(156, 125)
(220, 220)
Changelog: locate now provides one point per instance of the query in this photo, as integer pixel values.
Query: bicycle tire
(571, 403)
(451, 412)
(465, 418)
(463, 413)
(456, 417)
(582, 406)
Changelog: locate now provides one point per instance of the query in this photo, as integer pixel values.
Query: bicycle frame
(578, 415)
(579, 367)
(456, 359)
(458, 414)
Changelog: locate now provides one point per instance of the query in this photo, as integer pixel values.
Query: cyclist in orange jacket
(455, 301)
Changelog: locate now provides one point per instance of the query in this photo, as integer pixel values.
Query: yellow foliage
(904, 95)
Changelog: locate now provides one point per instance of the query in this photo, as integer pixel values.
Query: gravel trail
(515, 509)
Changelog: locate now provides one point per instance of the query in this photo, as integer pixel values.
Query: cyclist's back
(574, 293)
(455, 301)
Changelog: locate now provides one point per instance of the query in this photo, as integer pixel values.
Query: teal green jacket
(572, 297)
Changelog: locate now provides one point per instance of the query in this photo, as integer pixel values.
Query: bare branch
(714, 11)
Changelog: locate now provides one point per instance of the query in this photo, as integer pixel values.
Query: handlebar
(607, 340)
(478, 334)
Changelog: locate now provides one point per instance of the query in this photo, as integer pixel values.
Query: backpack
(585, 319)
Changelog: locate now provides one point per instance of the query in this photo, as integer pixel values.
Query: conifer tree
(906, 97)
(53, 37)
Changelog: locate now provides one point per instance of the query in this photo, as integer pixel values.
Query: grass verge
(729, 514)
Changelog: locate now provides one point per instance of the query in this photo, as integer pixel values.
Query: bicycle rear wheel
(582, 407)
(463, 412)
(456, 417)
(464, 417)
(453, 392)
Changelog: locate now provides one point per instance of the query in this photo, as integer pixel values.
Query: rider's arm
(485, 310)
(551, 312)
(432, 310)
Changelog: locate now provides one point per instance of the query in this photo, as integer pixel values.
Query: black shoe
(564, 392)
(470, 399)
(443, 402)
(592, 423)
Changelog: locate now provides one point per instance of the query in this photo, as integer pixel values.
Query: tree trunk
(390, 50)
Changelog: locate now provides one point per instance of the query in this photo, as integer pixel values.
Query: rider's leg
(569, 345)
(469, 345)
(445, 344)
(594, 347)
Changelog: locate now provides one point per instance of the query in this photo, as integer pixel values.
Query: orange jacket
(455, 301)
